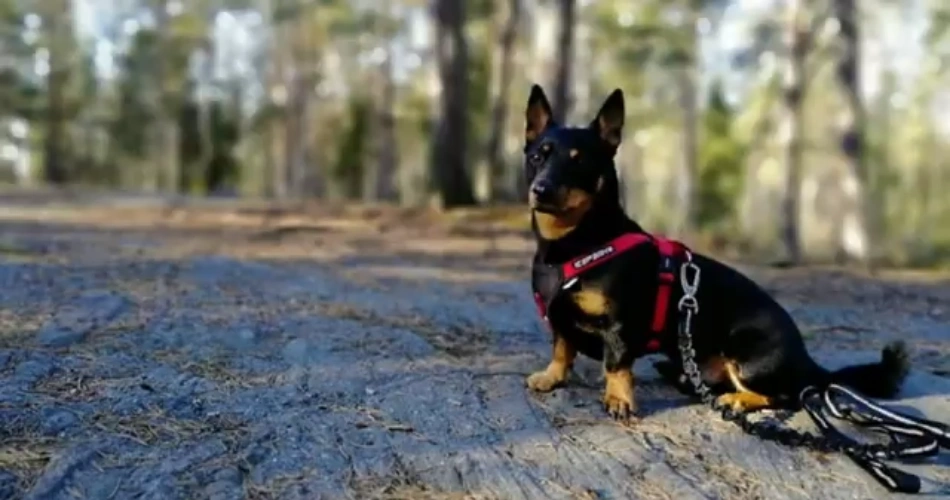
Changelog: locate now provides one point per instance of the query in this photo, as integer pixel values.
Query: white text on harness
(599, 254)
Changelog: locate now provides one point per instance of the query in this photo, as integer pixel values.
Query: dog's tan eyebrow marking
(573, 153)
(545, 147)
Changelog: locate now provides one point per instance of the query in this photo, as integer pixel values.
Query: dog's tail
(882, 379)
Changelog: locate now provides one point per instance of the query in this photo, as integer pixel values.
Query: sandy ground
(212, 350)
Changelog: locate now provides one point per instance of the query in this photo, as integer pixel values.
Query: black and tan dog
(600, 290)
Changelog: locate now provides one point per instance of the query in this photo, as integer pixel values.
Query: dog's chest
(579, 326)
(591, 308)
(578, 303)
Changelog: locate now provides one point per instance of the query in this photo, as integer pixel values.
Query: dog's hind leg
(742, 399)
(712, 371)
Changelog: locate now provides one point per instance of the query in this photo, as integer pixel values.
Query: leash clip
(689, 280)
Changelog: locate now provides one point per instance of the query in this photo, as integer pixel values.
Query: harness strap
(541, 306)
(619, 245)
(670, 252)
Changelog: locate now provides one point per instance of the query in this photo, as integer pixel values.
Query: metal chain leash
(688, 306)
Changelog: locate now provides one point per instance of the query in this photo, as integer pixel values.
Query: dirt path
(226, 354)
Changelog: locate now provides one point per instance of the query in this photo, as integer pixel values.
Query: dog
(602, 301)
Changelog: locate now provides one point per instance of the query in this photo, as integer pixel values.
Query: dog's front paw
(620, 408)
(618, 395)
(544, 381)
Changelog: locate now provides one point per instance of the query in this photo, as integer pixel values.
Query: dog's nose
(543, 190)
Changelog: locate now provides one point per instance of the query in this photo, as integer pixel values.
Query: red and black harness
(671, 252)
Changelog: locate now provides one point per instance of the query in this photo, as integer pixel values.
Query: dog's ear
(537, 114)
(609, 120)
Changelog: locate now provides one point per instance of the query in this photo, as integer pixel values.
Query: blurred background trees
(798, 129)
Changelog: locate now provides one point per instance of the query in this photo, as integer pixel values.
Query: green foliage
(20, 93)
(721, 160)
(350, 164)
(207, 173)
(138, 94)
(479, 97)
(133, 109)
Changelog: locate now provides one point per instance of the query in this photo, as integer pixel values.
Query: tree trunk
(853, 242)
(454, 185)
(303, 45)
(565, 58)
(387, 155)
(167, 155)
(878, 189)
(56, 141)
(688, 81)
(278, 100)
(205, 122)
(252, 169)
(582, 80)
(501, 78)
(295, 137)
(417, 177)
(536, 56)
(797, 41)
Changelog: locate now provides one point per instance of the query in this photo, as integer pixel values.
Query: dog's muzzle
(544, 197)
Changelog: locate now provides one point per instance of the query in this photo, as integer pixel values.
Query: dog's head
(568, 168)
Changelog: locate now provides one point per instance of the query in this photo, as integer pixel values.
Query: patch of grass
(276, 487)
(155, 427)
(13, 252)
(418, 492)
(217, 370)
(283, 231)
(27, 456)
(370, 417)
(402, 484)
(648, 490)
(8, 249)
(17, 328)
(743, 483)
(505, 217)
(72, 387)
(456, 341)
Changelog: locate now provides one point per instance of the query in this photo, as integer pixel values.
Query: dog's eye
(535, 159)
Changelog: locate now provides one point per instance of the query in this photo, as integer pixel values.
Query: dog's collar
(569, 272)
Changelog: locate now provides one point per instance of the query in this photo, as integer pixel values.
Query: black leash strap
(910, 437)
(891, 478)
(866, 413)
